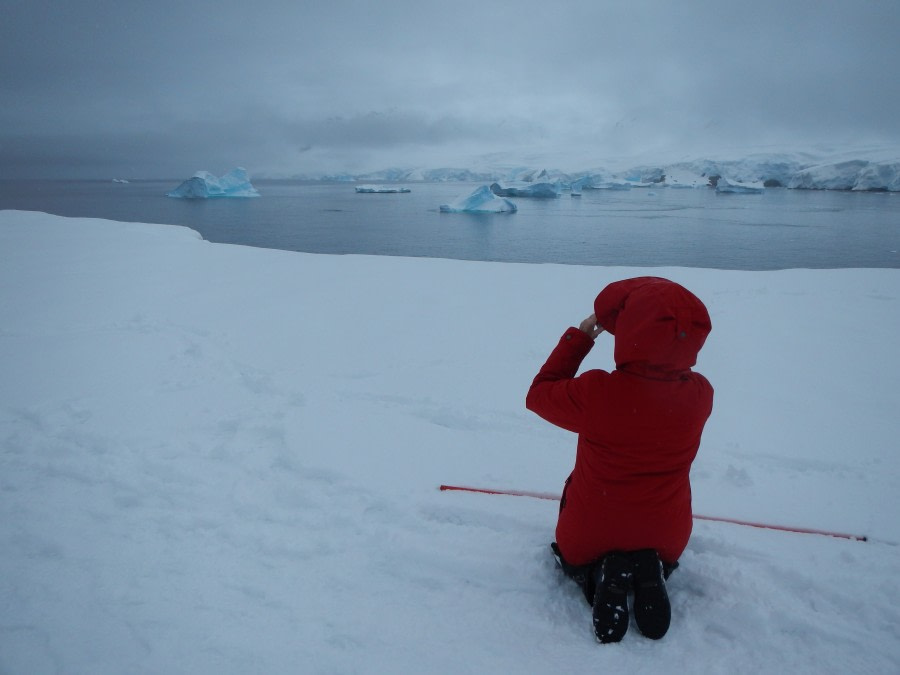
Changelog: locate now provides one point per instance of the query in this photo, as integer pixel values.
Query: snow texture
(203, 185)
(221, 459)
(482, 200)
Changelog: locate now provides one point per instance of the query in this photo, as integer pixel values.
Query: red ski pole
(733, 521)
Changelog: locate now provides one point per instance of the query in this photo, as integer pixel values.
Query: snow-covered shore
(220, 459)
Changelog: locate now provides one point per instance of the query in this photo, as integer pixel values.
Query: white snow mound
(218, 459)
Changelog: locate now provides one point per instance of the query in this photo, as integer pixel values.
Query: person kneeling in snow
(625, 511)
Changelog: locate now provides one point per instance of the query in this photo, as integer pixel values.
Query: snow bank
(219, 459)
(203, 185)
(482, 200)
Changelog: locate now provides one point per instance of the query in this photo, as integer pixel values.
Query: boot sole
(652, 610)
(610, 613)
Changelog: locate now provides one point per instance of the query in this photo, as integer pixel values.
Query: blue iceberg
(480, 201)
(203, 185)
(521, 189)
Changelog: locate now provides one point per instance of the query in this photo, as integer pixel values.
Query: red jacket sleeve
(556, 394)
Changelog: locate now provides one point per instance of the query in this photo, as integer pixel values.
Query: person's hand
(590, 327)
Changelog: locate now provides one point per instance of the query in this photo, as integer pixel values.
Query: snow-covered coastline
(220, 459)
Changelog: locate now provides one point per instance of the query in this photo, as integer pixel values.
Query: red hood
(659, 325)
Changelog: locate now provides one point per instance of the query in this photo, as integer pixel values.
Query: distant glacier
(795, 171)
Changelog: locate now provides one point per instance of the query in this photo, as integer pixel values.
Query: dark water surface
(640, 227)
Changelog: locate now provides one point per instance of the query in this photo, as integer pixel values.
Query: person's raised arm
(556, 394)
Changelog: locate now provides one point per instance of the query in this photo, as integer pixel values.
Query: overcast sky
(140, 89)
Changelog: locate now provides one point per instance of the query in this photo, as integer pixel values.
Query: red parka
(638, 427)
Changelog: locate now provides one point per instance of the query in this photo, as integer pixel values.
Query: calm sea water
(641, 227)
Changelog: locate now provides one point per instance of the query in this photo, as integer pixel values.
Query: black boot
(611, 576)
(652, 611)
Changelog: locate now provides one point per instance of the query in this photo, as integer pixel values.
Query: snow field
(218, 459)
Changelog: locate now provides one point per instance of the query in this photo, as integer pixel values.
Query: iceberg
(204, 185)
(519, 189)
(381, 189)
(727, 185)
(482, 200)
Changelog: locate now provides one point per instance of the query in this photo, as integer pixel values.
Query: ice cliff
(728, 185)
(856, 175)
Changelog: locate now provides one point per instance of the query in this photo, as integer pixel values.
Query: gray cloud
(94, 87)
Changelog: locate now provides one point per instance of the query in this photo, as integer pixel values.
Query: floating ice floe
(381, 189)
(728, 185)
(481, 200)
(517, 189)
(119, 180)
(204, 185)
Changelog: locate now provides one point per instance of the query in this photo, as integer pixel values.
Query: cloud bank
(97, 88)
